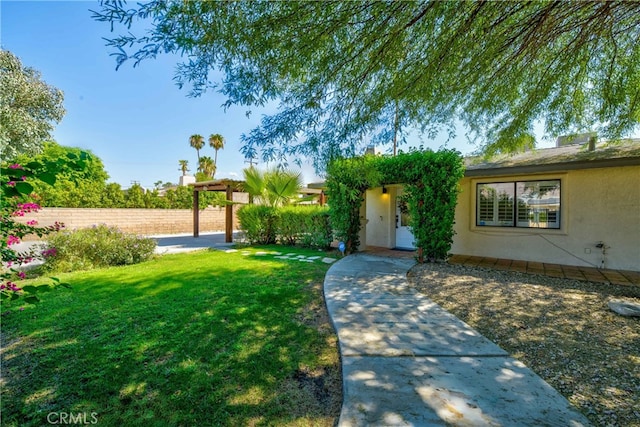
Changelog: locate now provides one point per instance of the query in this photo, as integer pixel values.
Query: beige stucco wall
(380, 217)
(597, 205)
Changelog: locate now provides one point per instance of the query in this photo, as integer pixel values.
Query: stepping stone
(328, 260)
(314, 257)
(261, 253)
(230, 251)
(625, 308)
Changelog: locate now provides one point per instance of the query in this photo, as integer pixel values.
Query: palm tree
(216, 141)
(254, 184)
(197, 141)
(207, 166)
(184, 166)
(282, 186)
(275, 187)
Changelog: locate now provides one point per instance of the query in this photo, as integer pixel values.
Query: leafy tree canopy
(28, 107)
(346, 72)
(80, 176)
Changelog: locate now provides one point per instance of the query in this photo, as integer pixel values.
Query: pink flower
(32, 222)
(29, 207)
(22, 274)
(11, 183)
(49, 252)
(12, 240)
(15, 166)
(26, 208)
(12, 287)
(24, 178)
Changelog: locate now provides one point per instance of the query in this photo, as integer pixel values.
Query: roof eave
(552, 167)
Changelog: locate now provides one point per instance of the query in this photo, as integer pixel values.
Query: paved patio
(592, 274)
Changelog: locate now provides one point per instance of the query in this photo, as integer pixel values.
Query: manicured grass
(207, 338)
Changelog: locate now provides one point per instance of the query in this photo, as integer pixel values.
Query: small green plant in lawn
(98, 246)
(201, 339)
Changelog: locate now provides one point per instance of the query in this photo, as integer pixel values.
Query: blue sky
(135, 119)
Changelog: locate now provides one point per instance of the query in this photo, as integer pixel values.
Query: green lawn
(200, 339)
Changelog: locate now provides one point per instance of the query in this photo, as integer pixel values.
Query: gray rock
(625, 308)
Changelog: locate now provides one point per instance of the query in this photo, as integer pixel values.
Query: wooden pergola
(230, 186)
(227, 185)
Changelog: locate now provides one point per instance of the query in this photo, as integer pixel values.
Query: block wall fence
(139, 221)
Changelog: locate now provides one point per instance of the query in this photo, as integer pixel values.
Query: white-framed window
(523, 204)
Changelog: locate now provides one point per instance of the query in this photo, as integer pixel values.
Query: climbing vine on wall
(347, 181)
(430, 192)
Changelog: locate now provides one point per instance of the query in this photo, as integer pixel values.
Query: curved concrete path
(408, 362)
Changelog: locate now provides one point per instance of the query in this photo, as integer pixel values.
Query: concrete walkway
(177, 243)
(408, 362)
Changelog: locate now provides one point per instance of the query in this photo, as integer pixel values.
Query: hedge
(304, 225)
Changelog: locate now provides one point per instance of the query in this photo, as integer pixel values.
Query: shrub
(320, 234)
(16, 199)
(290, 225)
(99, 246)
(304, 225)
(258, 223)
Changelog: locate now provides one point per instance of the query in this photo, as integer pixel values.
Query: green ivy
(430, 192)
(347, 181)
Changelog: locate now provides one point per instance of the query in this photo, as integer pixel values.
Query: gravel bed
(562, 329)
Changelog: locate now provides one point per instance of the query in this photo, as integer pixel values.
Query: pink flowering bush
(17, 201)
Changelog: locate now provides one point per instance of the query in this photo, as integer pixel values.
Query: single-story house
(576, 204)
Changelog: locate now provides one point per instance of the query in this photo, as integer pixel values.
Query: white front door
(404, 236)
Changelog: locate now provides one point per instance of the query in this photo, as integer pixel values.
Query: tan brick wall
(140, 221)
